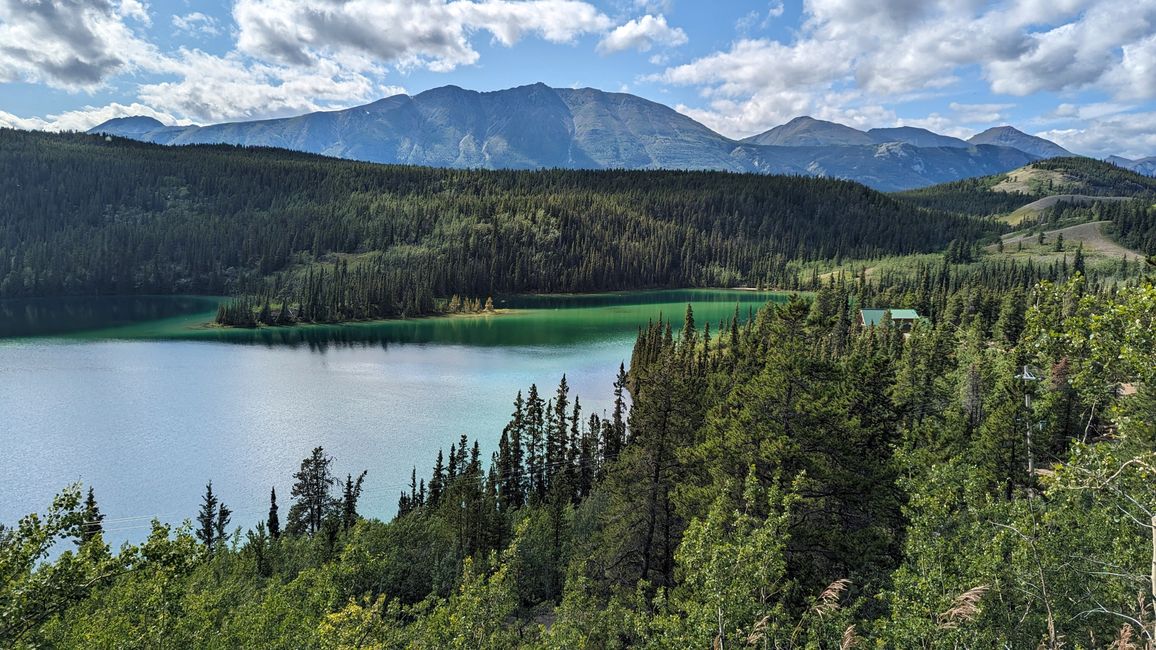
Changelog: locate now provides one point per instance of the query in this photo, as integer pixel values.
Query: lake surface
(143, 403)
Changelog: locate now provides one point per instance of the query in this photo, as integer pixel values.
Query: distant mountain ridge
(1146, 166)
(1007, 136)
(535, 126)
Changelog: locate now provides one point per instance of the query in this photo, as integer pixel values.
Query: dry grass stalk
(964, 609)
(759, 632)
(850, 639)
(1124, 639)
(829, 600)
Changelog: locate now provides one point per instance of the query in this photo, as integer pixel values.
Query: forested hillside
(1004, 193)
(84, 214)
(795, 481)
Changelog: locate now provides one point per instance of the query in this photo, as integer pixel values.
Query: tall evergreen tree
(207, 518)
(311, 493)
(535, 447)
(557, 447)
(350, 493)
(273, 522)
(93, 518)
(221, 525)
(437, 481)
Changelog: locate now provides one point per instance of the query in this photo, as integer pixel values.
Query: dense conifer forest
(338, 240)
(980, 479)
(792, 481)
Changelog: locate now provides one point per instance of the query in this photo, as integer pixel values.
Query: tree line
(90, 215)
(791, 480)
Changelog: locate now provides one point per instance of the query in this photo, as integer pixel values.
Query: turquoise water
(147, 405)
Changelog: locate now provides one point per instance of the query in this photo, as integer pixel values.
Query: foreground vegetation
(792, 481)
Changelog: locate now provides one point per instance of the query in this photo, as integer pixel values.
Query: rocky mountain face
(1006, 136)
(536, 126)
(1146, 166)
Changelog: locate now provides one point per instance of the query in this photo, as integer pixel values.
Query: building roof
(873, 316)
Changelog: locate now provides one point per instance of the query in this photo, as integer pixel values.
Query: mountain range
(535, 126)
(1146, 166)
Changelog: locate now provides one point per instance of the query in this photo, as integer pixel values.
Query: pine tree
(93, 519)
(557, 447)
(273, 523)
(221, 525)
(612, 446)
(351, 492)
(207, 518)
(437, 481)
(535, 421)
(312, 501)
(452, 467)
(517, 477)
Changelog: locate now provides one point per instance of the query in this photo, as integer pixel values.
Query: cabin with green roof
(904, 319)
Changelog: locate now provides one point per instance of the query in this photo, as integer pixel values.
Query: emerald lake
(137, 398)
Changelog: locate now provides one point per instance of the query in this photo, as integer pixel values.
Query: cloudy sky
(1080, 72)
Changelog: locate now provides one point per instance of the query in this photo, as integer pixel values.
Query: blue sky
(1080, 72)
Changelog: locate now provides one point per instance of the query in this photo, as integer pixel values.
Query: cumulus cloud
(884, 50)
(980, 113)
(197, 23)
(86, 118)
(642, 34)
(759, 20)
(1132, 135)
(406, 33)
(290, 56)
(70, 44)
(212, 88)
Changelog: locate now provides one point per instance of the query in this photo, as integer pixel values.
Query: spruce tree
(350, 493)
(613, 444)
(452, 467)
(93, 518)
(273, 523)
(221, 525)
(207, 518)
(535, 422)
(557, 447)
(437, 481)
(312, 501)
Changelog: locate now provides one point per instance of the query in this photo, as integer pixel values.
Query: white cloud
(642, 34)
(1075, 54)
(291, 56)
(212, 88)
(1132, 135)
(980, 113)
(407, 33)
(85, 118)
(759, 83)
(886, 50)
(71, 44)
(197, 23)
(758, 20)
(135, 9)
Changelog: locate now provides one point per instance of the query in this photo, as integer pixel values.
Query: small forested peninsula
(980, 477)
(339, 240)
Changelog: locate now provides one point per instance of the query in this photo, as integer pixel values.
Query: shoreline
(200, 325)
(214, 326)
